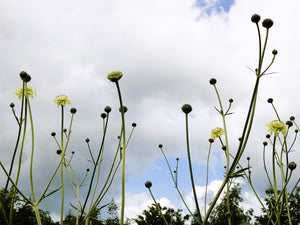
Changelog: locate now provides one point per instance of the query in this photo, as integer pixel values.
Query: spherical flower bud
(103, 115)
(289, 123)
(58, 152)
(224, 148)
(267, 23)
(88, 170)
(265, 143)
(248, 158)
(23, 74)
(124, 109)
(73, 152)
(211, 140)
(115, 76)
(274, 52)
(65, 130)
(231, 100)
(12, 105)
(160, 145)
(255, 18)
(292, 165)
(177, 159)
(268, 136)
(107, 109)
(296, 131)
(73, 110)
(53, 134)
(148, 184)
(186, 108)
(27, 78)
(133, 124)
(270, 100)
(292, 118)
(87, 140)
(212, 81)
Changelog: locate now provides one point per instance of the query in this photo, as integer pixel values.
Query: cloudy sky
(167, 50)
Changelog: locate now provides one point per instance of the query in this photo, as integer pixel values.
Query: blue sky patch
(218, 6)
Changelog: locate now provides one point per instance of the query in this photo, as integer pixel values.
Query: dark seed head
(23, 74)
(73, 152)
(73, 110)
(267, 23)
(87, 140)
(65, 130)
(148, 184)
(289, 123)
(274, 52)
(268, 136)
(224, 147)
(231, 100)
(292, 118)
(133, 124)
(292, 165)
(186, 108)
(160, 145)
(107, 109)
(248, 158)
(270, 100)
(103, 115)
(53, 134)
(27, 78)
(88, 170)
(255, 18)
(296, 131)
(12, 105)
(211, 140)
(58, 152)
(212, 81)
(265, 143)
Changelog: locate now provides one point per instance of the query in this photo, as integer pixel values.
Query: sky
(167, 50)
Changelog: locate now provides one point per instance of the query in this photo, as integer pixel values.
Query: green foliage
(294, 210)
(152, 216)
(238, 216)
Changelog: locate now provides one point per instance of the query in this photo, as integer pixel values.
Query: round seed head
(107, 109)
(292, 165)
(186, 108)
(73, 110)
(87, 140)
(58, 152)
(267, 23)
(12, 105)
(133, 124)
(53, 134)
(270, 100)
(255, 18)
(160, 145)
(265, 143)
(211, 140)
(274, 52)
(103, 115)
(148, 184)
(292, 118)
(289, 123)
(212, 81)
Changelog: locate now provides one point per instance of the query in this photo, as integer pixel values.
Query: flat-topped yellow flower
(28, 92)
(277, 127)
(115, 76)
(62, 100)
(217, 132)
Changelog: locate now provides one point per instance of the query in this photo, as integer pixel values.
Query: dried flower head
(255, 18)
(267, 23)
(186, 108)
(115, 76)
(148, 184)
(277, 127)
(62, 100)
(28, 92)
(217, 132)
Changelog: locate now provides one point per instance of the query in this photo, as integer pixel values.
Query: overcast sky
(167, 50)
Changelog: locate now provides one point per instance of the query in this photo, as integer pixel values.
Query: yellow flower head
(115, 76)
(217, 132)
(62, 100)
(277, 127)
(28, 92)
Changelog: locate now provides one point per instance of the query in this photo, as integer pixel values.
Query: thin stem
(158, 207)
(206, 182)
(190, 166)
(62, 167)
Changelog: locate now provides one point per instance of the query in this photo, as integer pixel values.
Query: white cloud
(167, 51)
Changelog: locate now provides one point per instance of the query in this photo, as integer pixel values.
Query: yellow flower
(28, 92)
(217, 132)
(62, 100)
(277, 127)
(115, 76)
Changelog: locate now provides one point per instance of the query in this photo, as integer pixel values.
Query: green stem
(158, 207)
(190, 166)
(206, 182)
(62, 167)
(123, 155)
